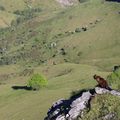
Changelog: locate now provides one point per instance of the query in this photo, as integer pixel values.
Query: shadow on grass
(21, 88)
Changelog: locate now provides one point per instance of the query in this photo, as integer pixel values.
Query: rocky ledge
(74, 107)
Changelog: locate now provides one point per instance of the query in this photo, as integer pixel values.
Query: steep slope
(53, 37)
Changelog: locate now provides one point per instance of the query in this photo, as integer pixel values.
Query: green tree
(37, 81)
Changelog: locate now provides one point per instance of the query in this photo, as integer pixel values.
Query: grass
(13, 5)
(94, 51)
(103, 105)
(6, 19)
(34, 105)
(97, 45)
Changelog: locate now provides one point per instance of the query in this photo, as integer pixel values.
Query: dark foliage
(113, 0)
(2, 8)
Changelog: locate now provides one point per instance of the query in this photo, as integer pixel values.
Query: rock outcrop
(74, 107)
(67, 2)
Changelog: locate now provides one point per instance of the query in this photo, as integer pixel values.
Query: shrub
(24, 15)
(118, 87)
(82, 1)
(2, 8)
(28, 13)
(37, 81)
(114, 79)
(17, 21)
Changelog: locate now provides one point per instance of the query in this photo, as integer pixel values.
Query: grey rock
(53, 45)
(61, 117)
(66, 2)
(79, 105)
(99, 90)
(114, 92)
(109, 116)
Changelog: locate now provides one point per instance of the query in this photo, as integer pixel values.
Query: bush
(114, 79)
(24, 15)
(82, 1)
(37, 81)
(2, 8)
(28, 13)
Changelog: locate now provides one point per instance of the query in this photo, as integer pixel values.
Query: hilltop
(68, 44)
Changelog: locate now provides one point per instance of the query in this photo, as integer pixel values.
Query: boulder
(79, 105)
(110, 116)
(99, 90)
(77, 30)
(114, 92)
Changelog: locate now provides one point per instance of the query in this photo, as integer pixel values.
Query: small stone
(109, 116)
(78, 30)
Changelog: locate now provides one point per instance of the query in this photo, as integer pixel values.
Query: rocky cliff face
(67, 2)
(74, 108)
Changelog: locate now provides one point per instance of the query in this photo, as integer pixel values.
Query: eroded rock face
(73, 108)
(67, 2)
(78, 105)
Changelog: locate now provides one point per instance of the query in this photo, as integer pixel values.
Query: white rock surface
(114, 92)
(61, 117)
(109, 116)
(103, 91)
(66, 2)
(99, 90)
(79, 105)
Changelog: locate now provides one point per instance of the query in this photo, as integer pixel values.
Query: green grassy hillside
(99, 45)
(67, 45)
(7, 8)
(28, 105)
